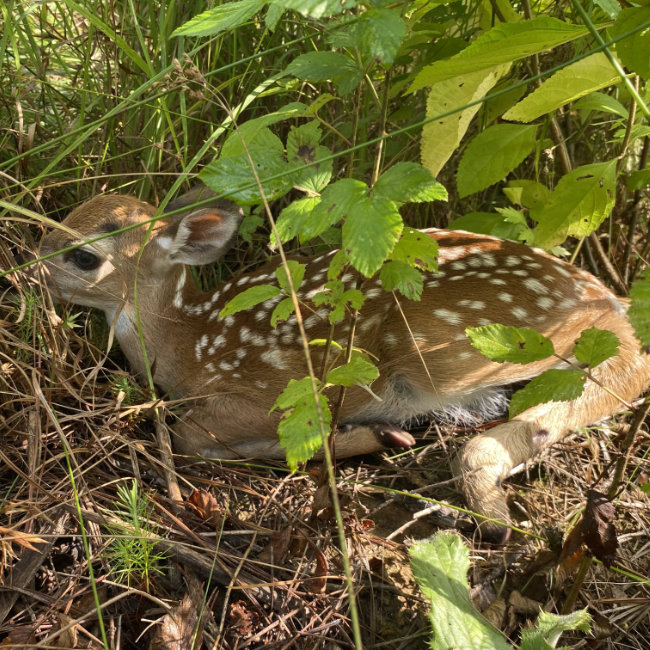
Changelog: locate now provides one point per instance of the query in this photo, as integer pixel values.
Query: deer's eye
(84, 260)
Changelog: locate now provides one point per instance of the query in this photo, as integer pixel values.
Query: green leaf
(256, 137)
(337, 298)
(440, 568)
(359, 371)
(417, 249)
(338, 263)
(303, 151)
(409, 182)
(529, 194)
(403, 277)
(370, 233)
(513, 344)
(550, 627)
(226, 16)
(338, 68)
(316, 8)
(292, 219)
(250, 223)
(639, 312)
(566, 85)
(493, 154)
(504, 43)
(282, 311)
(581, 201)
(601, 102)
(595, 346)
(232, 177)
(296, 271)
(633, 50)
(611, 7)
(380, 32)
(488, 223)
(638, 180)
(249, 298)
(337, 200)
(295, 391)
(553, 385)
(441, 137)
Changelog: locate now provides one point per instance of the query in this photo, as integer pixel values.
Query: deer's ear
(204, 235)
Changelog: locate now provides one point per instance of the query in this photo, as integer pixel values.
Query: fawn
(231, 370)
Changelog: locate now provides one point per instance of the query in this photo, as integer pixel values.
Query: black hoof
(493, 534)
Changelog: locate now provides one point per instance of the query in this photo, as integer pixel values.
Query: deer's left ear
(204, 235)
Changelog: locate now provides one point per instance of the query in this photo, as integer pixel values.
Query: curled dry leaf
(595, 530)
(206, 506)
(242, 621)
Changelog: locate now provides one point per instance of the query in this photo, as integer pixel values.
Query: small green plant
(125, 387)
(132, 554)
(440, 568)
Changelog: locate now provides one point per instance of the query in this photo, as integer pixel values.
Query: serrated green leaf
(403, 277)
(296, 390)
(601, 102)
(595, 346)
(581, 201)
(282, 311)
(504, 43)
(316, 8)
(370, 233)
(338, 263)
(255, 136)
(303, 151)
(553, 385)
(409, 182)
(440, 567)
(546, 633)
(338, 68)
(493, 154)
(380, 32)
(639, 312)
(292, 219)
(296, 271)
(417, 249)
(232, 177)
(249, 298)
(441, 137)
(357, 372)
(226, 16)
(513, 344)
(633, 50)
(566, 85)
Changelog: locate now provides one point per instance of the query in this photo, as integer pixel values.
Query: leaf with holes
(403, 277)
(513, 344)
(249, 298)
(566, 85)
(440, 567)
(595, 346)
(300, 429)
(303, 152)
(493, 154)
(639, 312)
(370, 233)
(282, 311)
(581, 201)
(503, 43)
(297, 273)
(407, 182)
(417, 249)
(553, 385)
(359, 371)
(226, 16)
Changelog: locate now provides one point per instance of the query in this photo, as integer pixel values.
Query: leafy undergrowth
(250, 558)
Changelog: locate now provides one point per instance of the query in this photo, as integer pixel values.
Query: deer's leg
(485, 461)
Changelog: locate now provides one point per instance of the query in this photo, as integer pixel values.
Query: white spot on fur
(519, 312)
(536, 286)
(545, 302)
(224, 365)
(243, 280)
(275, 358)
(199, 347)
(373, 293)
(458, 266)
(512, 260)
(498, 282)
(178, 294)
(219, 342)
(523, 273)
(240, 353)
(451, 317)
(505, 297)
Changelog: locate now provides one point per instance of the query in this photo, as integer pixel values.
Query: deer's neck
(159, 319)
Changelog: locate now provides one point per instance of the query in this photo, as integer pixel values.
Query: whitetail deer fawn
(231, 371)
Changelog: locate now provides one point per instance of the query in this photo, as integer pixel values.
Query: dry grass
(253, 557)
